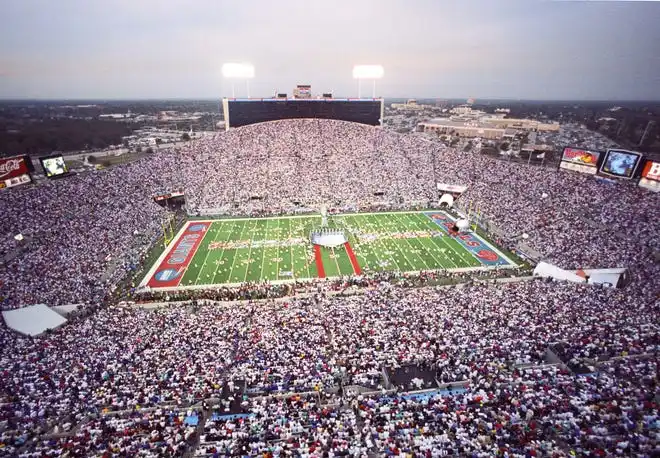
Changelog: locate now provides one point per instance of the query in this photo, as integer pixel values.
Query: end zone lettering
(183, 249)
(173, 266)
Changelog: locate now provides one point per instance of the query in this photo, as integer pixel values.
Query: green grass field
(278, 249)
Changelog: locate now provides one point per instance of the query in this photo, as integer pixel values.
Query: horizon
(386, 99)
(155, 50)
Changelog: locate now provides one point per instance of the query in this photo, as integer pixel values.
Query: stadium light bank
(234, 71)
(368, 72)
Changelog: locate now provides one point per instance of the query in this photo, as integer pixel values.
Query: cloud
(149, 48)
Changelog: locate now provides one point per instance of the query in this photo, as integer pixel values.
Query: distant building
(463, 109)
(411, 104)
(524, 124)
(114, 116)
(510, 133)
(531, 138)
(467, 122)
(462, 129)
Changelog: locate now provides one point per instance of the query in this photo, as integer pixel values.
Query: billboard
(580, 160)
(14, 171)
(651, 176)
(13, 166)
(242, 112)
(54, 166)
(620, 163)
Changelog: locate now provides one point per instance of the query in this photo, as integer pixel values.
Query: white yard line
(461, 253)
(263, 256)
(413, 248)
(277, 256)
(440, 264)
(233, 261)
(247, 269)
(394, 244)
(389, 247)
(201, 271)
(222, 253)
(334, 255)
(484, 241)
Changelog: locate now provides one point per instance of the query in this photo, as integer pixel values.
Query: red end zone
(172, 267)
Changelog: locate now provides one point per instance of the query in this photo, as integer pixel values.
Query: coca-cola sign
(12, 167)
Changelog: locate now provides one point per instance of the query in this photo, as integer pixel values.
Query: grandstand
(249, 338)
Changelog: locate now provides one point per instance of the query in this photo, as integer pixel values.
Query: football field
(234, 251)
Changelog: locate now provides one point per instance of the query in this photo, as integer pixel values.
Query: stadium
(310, 284)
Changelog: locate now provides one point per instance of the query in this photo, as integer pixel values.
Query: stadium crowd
(121, 381)
(493, 339)
(105, 220)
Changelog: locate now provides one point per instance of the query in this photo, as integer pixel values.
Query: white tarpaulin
(543, 269)
(33, 319)
(64, 310)
(606, 277)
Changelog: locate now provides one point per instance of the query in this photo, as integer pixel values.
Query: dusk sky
(429, 48)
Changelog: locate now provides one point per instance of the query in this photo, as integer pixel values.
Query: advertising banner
(651, 176)
(12, 167)
(580, 160)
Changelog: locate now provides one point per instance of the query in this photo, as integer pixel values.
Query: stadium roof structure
(33, 320)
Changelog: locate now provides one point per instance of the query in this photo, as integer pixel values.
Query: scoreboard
(242, 112)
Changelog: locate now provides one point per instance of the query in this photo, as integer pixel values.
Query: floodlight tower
(234, 71)
(367, 72)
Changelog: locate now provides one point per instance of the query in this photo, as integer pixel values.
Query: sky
(146, 49)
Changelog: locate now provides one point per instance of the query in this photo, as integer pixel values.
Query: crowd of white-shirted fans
(520, 369)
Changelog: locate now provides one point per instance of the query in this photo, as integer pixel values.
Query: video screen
(581, 156)
(620, 163)
(54, 166)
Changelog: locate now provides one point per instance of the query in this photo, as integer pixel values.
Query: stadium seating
(544, 368)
